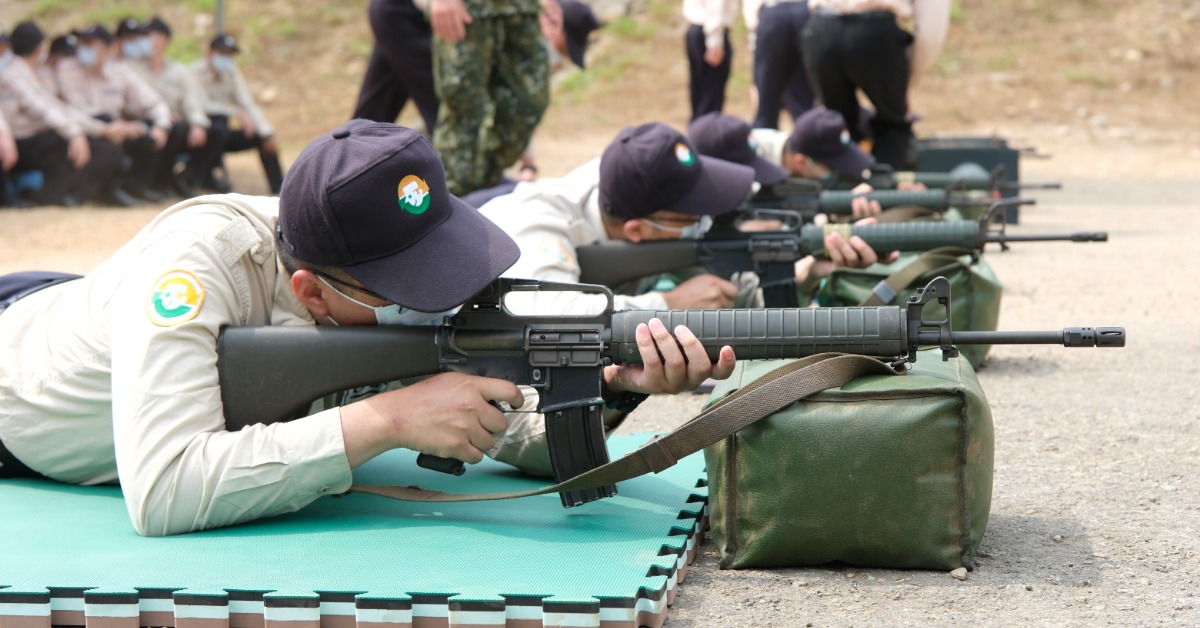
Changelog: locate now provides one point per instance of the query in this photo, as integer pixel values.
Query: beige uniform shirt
(112, 377)
(770, 144)
(228, 95)
(548, 219)
(113, 91)
(714, 16)
(31, 108)
(176, 84)
(929, 21)
(49, 76)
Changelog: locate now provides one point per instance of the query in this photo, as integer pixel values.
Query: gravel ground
(1095, 505)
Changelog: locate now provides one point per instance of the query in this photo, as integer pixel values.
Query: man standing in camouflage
(491, 73)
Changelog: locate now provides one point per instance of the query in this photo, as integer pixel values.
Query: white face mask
(86, 55)
(393, 314)
(694, 231)
(222, 63)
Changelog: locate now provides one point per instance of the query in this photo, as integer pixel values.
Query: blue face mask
(6, 58)
(222, 63)
(393, 314)
(86, 56)
(132, 49)
(694, 231)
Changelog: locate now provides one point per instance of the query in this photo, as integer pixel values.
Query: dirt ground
(1096, 509)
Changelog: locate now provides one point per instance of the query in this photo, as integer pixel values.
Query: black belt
(865, 15)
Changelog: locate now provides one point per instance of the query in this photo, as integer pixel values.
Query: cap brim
(767, 173)
(724, 186)
(451, 264)
(576, 50)
(850, 162)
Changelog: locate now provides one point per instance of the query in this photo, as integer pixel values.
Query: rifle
(270, 374)
(798, 196)
(772, 255)
(966, 176)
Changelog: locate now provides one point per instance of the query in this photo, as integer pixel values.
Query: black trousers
(401, 64)
(233, 141)
(47, 151)
(779, 73)
(164, 166)
(866, 51)
(707, 84)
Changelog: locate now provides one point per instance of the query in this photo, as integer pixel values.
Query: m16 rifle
(792, 196)
(270, 374)
(772, 255)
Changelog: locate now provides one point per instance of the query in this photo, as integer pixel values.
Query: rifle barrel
(1069, 337)
(1081, 236)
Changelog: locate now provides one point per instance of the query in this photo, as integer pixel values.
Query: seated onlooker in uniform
(61, 47)
(110, 91)
(76, 154)
(176, 84)
(234, 116)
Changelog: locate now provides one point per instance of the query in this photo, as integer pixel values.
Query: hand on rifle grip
(448, 465)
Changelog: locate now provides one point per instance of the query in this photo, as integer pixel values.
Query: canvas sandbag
(889, 471)
(974, 289)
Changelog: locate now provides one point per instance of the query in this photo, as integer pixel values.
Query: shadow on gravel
(1030, 550)
(1024, 365)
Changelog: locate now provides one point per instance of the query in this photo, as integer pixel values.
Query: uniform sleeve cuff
(316, 454)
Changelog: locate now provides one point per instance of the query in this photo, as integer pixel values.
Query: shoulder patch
(555, 251)
(176, 298)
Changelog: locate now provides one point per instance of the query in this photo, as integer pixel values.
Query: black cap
(370, 198)
(578, 23)
(25, 38)
(224, 43)
(653, 167)
(157, 25)
(726, 137)
(130, 26)
(96, 32)
(64, 44)
(821, 135)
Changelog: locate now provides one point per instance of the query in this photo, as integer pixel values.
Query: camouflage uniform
(493, 86)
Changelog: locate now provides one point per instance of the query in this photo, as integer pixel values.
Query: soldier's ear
(634, 230)
(310, 292)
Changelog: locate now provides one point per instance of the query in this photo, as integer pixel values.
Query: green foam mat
(70, 554)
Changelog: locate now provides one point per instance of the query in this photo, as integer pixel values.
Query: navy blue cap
(157, 25)
(821, 134)
(25, 38)
(224, 43)
(370, 198)
(64, 44)
(578, 23)
(96, 32)
(725, 137)
(653, 167)
(130, 26)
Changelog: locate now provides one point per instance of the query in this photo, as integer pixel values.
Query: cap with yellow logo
(371, 198)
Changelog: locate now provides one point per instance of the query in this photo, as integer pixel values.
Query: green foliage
(1088, 77)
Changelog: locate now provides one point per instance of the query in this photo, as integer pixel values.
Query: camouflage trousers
(493, 86)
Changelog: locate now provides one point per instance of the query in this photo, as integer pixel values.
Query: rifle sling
(889, 288)
(764, 396)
